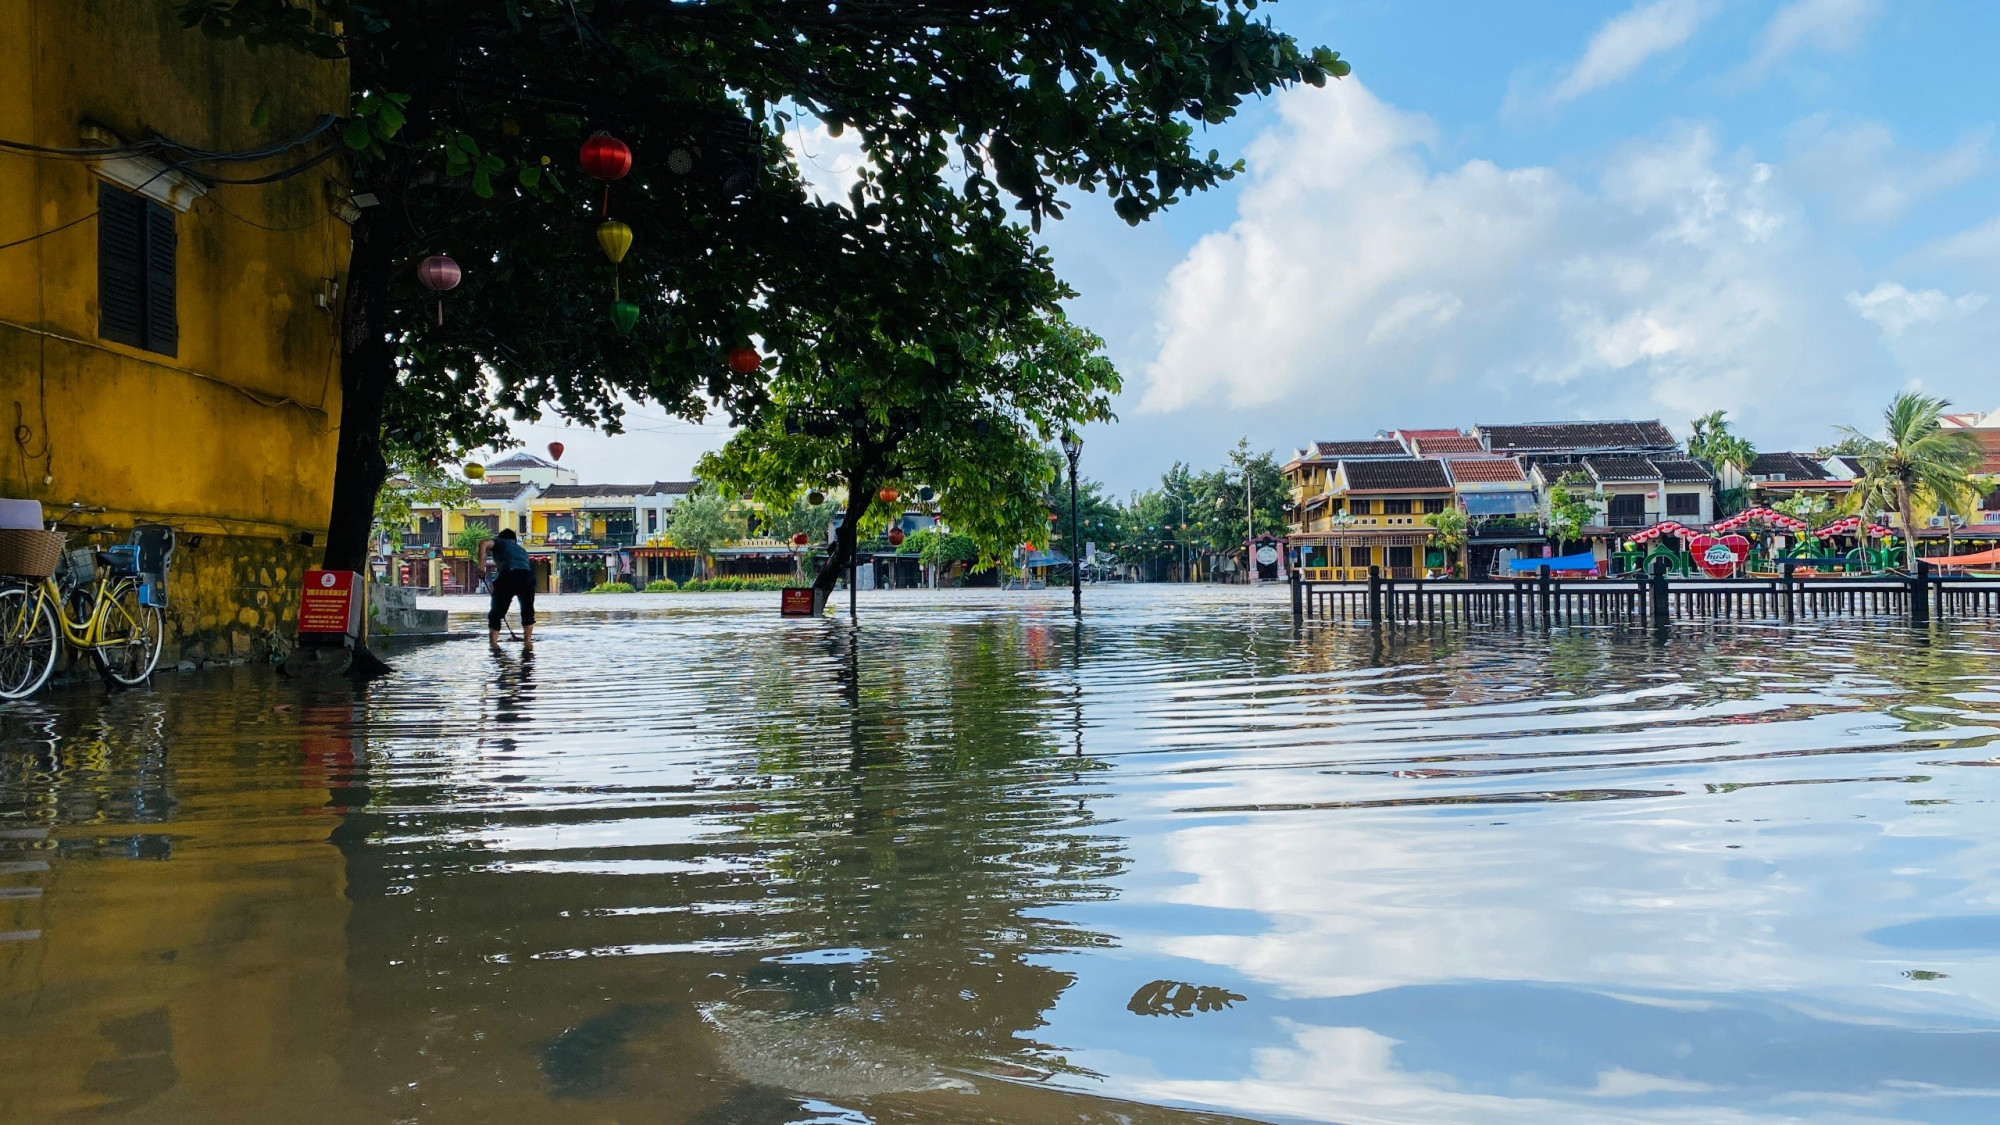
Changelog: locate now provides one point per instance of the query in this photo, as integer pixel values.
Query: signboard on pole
(798, 601)
(330, 604)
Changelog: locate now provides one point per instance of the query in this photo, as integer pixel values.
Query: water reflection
(969, 863)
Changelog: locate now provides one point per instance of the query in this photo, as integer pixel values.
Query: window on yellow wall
(136, 250)
(1358, 556)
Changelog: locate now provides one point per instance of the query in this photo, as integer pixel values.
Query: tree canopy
(463, 134)
(1916, 466)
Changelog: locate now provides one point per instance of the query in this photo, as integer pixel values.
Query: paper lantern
(615, 238)
(888, 495)
(801, 539)
(439, 273)
(896, 537)
(555, 450)
(624, 314)
(475, 471)
(743, 360)
(605, 157)
(815, 497)
(926, 493)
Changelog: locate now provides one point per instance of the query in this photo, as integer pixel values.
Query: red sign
(797, 602)
(1719, 558)
(327, 606)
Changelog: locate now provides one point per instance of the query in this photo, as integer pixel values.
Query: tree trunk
(367, 370)
(1907, 512)
(846, 536)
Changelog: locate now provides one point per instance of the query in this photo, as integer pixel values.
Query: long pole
(1249, 527)
(1075, 547)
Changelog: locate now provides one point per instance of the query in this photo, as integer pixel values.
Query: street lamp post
(1073, 448)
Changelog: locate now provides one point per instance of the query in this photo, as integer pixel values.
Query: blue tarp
(1585, 561)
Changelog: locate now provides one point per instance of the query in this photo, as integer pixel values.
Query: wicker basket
(30, 554)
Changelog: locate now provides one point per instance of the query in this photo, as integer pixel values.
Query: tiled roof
(592, 491)
(1787, 466)
(673, 487)
(1682, 470)
(1484, 470)
(1446, 443)
(1428, 433)
(1853, 464)
(1329, 450)
(1577, 435)
(1621, 468)
(498, 491)
(1408, 474)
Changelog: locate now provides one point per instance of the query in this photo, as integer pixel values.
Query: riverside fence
(1652, 599)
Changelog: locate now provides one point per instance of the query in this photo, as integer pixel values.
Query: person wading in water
(514, 578)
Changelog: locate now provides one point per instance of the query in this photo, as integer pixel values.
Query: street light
(1072, 447)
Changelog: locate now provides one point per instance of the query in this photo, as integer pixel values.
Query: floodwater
(693, 863)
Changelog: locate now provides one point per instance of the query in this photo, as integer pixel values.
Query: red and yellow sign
(797, 602)
(328, 606)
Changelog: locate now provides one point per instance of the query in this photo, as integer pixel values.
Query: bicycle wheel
(28, 642)
(129, 638)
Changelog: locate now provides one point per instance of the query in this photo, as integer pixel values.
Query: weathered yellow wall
(233, 439)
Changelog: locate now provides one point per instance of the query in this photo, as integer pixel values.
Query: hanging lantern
(888, 495)
(475, 471)
(1052, 517)
(743, 360)
(615, 238)
(555, 450)
(624, 314)
(801, 539)
(896, 537)
(815, 497)
(926, 493)
(605, 157)
(439, 273)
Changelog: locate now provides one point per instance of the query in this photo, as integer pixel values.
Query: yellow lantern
(475, 471)
(616, 238)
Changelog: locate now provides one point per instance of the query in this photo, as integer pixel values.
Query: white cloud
(830, 165)
(1361, 284)
(1863, 175)
(1896, 309)
(1629, 39)
(1978, 246)
(1827, 25)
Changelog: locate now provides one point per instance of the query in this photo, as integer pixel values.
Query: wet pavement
(692, 863)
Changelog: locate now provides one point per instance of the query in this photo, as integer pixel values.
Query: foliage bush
(611, 588)
(735, 585)
(661, 586)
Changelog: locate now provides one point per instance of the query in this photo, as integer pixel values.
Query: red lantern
(439, 273)
(888, 495)
(1052, 517)
(801, 539)
(895, 537)
(605, 157)
(555, 450)
(744, 360)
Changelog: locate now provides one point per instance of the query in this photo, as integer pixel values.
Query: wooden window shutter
(121, 266)
(137, 249)
(163, 332)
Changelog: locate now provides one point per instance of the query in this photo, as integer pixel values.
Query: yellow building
(1369, 512)
(168, 344)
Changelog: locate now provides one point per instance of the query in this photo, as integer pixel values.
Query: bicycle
(115, 616)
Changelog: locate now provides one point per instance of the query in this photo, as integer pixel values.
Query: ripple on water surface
(691, 863)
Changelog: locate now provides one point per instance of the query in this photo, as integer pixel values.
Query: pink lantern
(439, 273)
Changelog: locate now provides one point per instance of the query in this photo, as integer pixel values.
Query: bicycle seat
(105, 559)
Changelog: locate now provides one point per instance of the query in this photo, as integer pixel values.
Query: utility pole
(1249, 526)
(1073, 448)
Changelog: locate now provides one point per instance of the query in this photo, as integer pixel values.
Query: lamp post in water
(1072, 446)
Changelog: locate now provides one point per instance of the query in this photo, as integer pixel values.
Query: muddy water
(690, 863)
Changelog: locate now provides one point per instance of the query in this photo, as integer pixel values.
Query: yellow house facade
(1372, 513)
(168, 346)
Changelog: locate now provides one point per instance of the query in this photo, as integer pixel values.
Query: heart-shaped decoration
(1719, 558)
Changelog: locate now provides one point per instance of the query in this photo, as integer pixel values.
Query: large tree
(1917, 465)
(467, 113)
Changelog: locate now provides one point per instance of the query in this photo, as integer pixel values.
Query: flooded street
(692, 863)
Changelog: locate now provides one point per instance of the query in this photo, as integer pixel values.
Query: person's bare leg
(527, 635)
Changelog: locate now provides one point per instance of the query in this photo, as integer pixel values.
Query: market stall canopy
(1981, 558)
(1584, 561)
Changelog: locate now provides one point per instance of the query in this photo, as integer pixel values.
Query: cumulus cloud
(1896, 308)
(1628, 40)
(830, 165)
(1827, 25)
(1682, 278)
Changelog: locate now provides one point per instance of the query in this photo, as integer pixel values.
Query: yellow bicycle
(114, 615)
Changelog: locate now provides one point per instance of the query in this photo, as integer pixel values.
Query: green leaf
(357, 136)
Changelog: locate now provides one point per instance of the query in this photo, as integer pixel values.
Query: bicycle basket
(79, 566)
(30, 554)
(124, 559)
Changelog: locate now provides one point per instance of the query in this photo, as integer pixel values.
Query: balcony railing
(1648, 519)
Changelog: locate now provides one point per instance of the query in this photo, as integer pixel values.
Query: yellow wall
(234, 437)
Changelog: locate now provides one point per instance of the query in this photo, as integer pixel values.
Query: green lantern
(624, 314)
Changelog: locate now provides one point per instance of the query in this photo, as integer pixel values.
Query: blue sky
(1783, 208)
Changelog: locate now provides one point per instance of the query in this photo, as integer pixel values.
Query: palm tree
(1918, 463)
(1710, 440)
